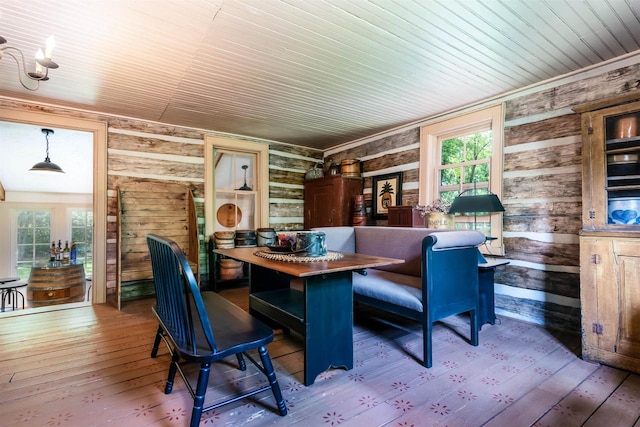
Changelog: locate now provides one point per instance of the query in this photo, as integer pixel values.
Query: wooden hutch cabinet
(328, 201)
(610, 235)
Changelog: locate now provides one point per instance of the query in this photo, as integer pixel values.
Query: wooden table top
(349, 261)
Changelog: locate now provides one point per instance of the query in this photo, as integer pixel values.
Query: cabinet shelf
(616, 188)
(623, 140)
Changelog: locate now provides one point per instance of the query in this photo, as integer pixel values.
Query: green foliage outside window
(460, 168)
(82, 236)
(33, 238)
(465, 164)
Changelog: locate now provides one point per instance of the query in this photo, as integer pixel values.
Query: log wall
(541, 185)
(148, 152)
(542, 193)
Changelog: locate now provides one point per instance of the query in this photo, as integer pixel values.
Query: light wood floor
(90, 366)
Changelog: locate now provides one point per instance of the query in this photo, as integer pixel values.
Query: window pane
(25, 253)
(78, 218)
(245, 171)
(42, 252)
(452, 151)
(43, 235)
(448, 196)
(450, 176)
(479, 146)
(42, 219)
(77, 235)
(25, 236)
(476, 173)
(82, 237)
(25, 219)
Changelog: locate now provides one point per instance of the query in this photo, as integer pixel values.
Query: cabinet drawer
(45, 294)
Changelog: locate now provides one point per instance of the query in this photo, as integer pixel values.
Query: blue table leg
(329, 324)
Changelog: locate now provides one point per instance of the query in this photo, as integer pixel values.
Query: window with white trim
(82, 237)
(462, 153)
(33, 234)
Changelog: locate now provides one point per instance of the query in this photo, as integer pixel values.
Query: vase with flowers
(436, 215)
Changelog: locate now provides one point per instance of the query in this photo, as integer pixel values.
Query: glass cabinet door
(622, 154)
(235, 190)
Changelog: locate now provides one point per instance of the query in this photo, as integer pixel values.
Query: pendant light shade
(46, 166)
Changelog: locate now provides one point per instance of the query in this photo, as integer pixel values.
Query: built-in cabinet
(610, 236)
(328, 201)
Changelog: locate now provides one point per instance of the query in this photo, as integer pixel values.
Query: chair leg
(201, 389)
(271, 377)
(156, 343)
(173, 367)
(241, 362)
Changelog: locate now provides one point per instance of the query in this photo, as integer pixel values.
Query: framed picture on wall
(386, 192)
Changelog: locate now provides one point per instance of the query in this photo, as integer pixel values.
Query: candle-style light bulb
(51, 43)
(39, 56)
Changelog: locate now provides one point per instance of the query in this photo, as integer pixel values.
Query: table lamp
(474, 203)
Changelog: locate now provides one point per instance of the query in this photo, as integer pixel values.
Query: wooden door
(599, 297)
(627, 257)
(610, 294)
(319, 209)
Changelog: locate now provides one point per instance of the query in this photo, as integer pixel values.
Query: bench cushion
(394, 288)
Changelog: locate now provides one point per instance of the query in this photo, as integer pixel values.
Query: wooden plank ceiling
(317, 72)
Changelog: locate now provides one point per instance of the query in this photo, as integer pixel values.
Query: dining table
(311, 296)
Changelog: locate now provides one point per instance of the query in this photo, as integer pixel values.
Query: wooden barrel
(359, 211)
(350, 167)
(56, 285)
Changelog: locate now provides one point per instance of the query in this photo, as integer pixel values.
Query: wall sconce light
(47, 165)
(43, 63)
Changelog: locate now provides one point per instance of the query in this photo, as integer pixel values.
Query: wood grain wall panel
(555, 282)
(376, 146)
(152, 128)
(286, 210)
(276, 192)
(565, 224)
(552, 316)
(564, 254)
(156, 146)
(542, 207)
(544, 158)
(410, 197)
(286, 177)
(604, 85)
(556, 127)
(550, 211)
(293, 163)
(167, 168)
(395, 158)
(543, 186)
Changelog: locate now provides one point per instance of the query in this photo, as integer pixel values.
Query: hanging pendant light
(47, 165)
(245, 187)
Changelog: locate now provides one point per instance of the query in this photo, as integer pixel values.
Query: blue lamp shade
(475, 203)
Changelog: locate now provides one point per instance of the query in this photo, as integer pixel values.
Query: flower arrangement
(436, 206)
